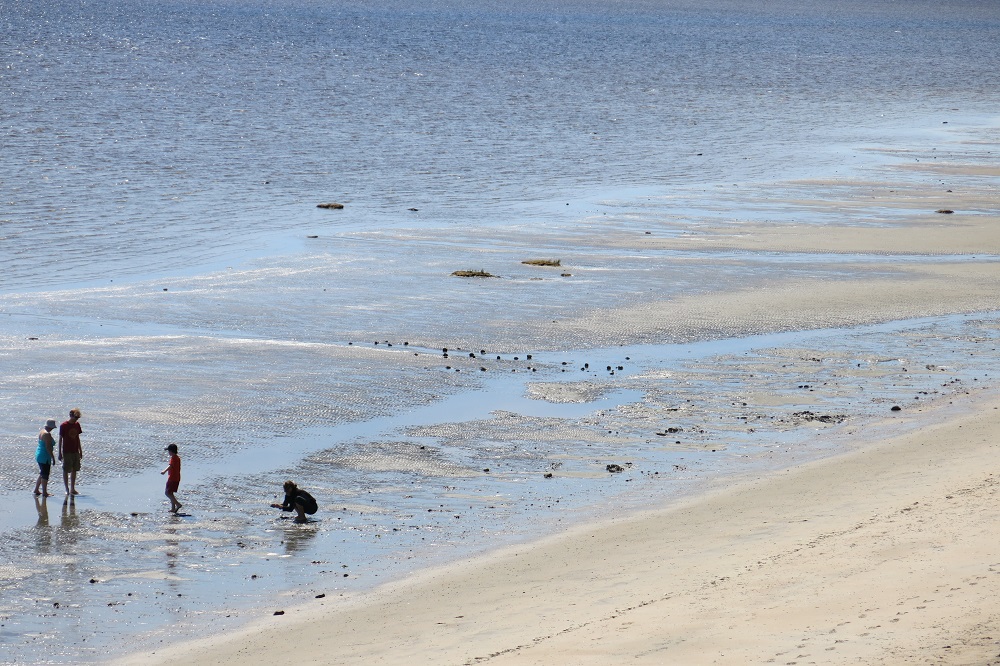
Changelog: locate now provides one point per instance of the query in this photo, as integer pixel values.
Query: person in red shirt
(173, 472)
(70, 449)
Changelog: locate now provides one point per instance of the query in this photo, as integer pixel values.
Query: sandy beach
(885, 555)
(726, 395)
(881, 552)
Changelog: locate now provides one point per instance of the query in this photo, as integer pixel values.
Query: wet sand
(879, 552)
(691, 358)
(880, 556)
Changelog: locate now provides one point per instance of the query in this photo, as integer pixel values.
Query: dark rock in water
(332, 205)
(547, 475)
(945, 211)
(413, 209)
(312, 236)
(896, 408)
(320, 596)
(279, 612)
(615, 469)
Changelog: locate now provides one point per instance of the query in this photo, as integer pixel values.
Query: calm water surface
(156, 137)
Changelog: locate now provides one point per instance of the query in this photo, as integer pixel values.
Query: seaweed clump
(479, 273)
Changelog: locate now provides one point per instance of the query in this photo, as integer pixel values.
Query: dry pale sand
(886, 555)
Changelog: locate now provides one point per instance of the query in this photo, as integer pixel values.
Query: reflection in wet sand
(299, 537)
(43, 532)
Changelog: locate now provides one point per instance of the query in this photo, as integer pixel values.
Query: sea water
(165, 268)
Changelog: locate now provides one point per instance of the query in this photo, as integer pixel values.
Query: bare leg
(66, 479)
(300, 516)
(72, 484)
(175, 506)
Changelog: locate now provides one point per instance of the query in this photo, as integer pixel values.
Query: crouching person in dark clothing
(297, 500)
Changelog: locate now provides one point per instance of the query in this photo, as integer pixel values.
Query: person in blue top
(45, 456)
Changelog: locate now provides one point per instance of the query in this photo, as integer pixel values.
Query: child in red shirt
(173, 472)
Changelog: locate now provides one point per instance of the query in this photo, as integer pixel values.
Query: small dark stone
(279, 612)
(945, 211)
(320, 596)
(312, 236)
(896, 408)
(413, 209)
(332, 205)
(93, 580)
(615, 469)
(547, 475)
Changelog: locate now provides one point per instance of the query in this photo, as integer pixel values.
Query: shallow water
(161, 167)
